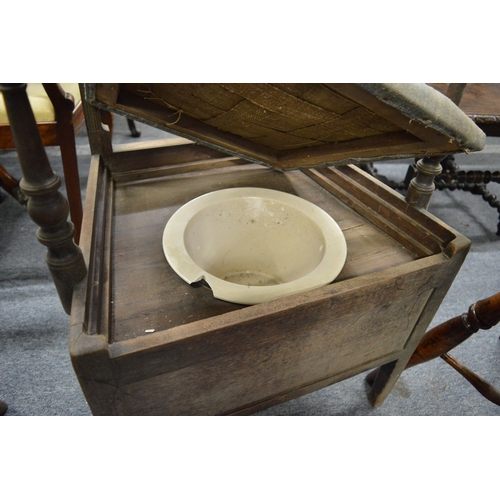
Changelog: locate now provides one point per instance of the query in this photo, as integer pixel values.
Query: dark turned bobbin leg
(47, 207)
(422, 185)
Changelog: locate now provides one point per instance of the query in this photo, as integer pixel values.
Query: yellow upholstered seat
(40, 102)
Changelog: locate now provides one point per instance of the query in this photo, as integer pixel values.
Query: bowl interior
(254, 241)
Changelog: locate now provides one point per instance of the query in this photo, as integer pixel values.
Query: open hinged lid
(296, 125)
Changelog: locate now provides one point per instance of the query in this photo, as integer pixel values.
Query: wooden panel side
(265, 354)
(345, 298)
(388, 374)
(97, 374)
(279, 352)
(88, 350)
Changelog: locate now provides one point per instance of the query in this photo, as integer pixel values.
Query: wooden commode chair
(144, 342)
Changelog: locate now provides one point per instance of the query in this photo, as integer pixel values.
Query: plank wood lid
(299, 125)
(253, 245)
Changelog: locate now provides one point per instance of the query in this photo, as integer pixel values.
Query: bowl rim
(325, 272)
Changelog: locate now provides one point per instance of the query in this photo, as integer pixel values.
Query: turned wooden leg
(482, 386)
(421, 186)
(482, 315)
(47, 207)
(133, 130)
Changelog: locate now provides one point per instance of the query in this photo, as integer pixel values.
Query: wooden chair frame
(61, 132)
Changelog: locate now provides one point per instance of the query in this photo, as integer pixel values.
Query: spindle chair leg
(47, 207)
(482, 315)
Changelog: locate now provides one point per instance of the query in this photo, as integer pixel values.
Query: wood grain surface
(144, 342)
(153, 344)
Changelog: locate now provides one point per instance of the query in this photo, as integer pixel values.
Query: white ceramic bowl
(253, 245)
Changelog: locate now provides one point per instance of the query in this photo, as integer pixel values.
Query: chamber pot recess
(253, 245)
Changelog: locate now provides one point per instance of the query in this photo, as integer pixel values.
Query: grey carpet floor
(36, 377)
